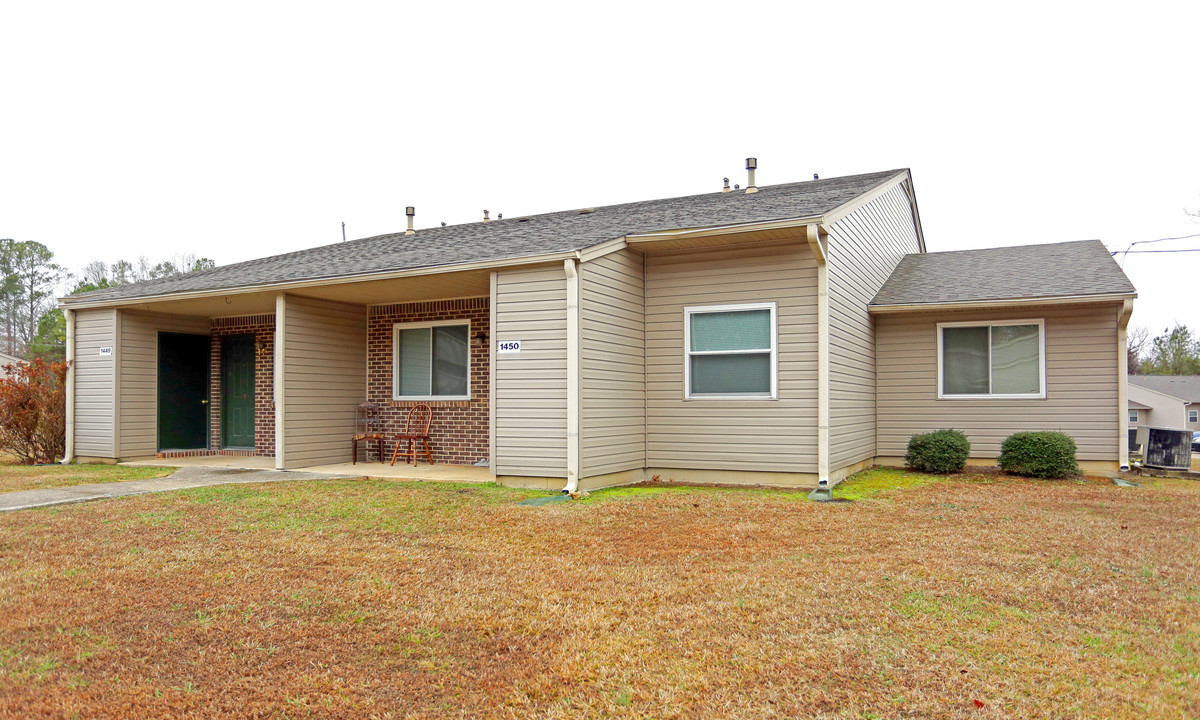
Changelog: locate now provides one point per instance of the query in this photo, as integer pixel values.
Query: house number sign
(508, 346)
(106, 350)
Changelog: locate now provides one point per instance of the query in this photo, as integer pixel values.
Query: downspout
(1123, 383)
(572, 273)
(69, 446)
(818, 251)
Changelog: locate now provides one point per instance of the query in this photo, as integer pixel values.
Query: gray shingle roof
(1067, 269)
(1184, 387)
(513, 237)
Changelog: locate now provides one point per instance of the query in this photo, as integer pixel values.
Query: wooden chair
(367, 428)
(419, 419)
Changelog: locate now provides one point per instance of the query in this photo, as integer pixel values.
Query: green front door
(237, 391)
(182, 391)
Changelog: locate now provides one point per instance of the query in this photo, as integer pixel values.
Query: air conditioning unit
(1166, 448)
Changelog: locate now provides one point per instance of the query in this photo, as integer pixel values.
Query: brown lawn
(978, 596)
(37, 477)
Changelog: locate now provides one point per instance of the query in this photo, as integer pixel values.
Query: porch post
(69, 446)
(277, 381)
(1123, 384)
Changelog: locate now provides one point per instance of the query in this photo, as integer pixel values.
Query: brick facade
(263, 329)
(459, 433)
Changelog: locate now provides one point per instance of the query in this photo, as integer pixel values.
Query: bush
(943, 451)
(1039, 454)
(33, 411)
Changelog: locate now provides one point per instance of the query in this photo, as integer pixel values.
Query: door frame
(158, 424)
(253, 339)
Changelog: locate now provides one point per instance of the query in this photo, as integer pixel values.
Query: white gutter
(573, 347)
(317, 282)
(69, 447)
(818, 251)
(993, 304)
(1123, 384)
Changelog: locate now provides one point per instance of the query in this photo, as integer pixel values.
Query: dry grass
(976, 596)
(39, 477)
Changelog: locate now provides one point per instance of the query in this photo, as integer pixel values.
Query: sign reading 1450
(508, 346)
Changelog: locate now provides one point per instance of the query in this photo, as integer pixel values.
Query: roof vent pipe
(726, 188)
(485, 216)
(410, 211)
(751, 166)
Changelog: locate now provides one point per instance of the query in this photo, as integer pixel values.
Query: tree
(1175, 352)
(1136, 342)
(30, 278)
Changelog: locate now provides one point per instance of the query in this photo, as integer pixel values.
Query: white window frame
(989, 324)
(396, 328)
(1133, 416)
(688, 353)
(1193, 416)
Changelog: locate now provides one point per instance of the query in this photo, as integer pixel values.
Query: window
(730, 351)
(431, 361)
(1133, 416)
(1192, 416)
(1001, 360)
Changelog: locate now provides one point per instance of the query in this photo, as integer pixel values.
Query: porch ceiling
(440, 286)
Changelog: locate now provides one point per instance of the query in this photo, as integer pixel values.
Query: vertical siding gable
(864, 248)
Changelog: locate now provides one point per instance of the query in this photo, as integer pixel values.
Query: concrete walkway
(188, 477)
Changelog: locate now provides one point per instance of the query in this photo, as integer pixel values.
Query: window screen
(731, 352)
(992, 360)
(432, 361)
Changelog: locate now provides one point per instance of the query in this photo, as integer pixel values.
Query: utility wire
(1130, 249)
(1135, 252)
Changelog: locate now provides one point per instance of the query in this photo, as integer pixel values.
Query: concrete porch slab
(399, 471)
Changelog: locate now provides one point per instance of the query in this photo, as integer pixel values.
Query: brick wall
(263, 328)
(459, 433)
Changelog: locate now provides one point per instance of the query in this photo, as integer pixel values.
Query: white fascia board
(711, 230)
(67, 302)
(858, 201)
(1000, 304)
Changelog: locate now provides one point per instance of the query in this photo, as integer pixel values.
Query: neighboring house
(1173, 400)
(783, 336)
(12, 361)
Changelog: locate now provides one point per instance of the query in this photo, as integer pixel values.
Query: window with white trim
(431, 360)
(730, 351)
(1192, 416)
(1133, 416)
(992, 360)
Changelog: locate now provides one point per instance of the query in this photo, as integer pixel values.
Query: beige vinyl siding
(1081, 382)
(612, 365)
(95, 383)
(765, 435)
(324, 374)
(864, 248)
(138, 376)
(531, 386)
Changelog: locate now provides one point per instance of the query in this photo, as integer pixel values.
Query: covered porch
(259, 377)
(400, 471)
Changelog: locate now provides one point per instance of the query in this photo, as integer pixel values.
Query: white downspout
(1123, 383)
(572, 273)
(818, 251)
(69, 446)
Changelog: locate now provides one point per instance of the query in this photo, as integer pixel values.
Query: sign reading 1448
(508, 346)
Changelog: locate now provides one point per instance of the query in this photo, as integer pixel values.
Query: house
(781, 335)
(9, 363)
(1168, 401)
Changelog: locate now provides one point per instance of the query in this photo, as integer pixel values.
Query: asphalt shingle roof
(1066, 269)
(1184, 387)
(513, 237)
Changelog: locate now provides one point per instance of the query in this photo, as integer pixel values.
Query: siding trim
(69, 446)
(280, 334)
(492, 374)
(574, 471)
(116, 397)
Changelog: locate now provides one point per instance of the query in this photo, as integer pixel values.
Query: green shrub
(943, 451)
(1039, 454)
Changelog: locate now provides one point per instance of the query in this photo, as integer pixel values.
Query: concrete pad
(402, 471)
(215, 461)
(189, 477)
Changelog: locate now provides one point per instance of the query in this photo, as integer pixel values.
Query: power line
(1135, 252)
(1130, 249)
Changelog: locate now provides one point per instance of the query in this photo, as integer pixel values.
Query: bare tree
(1137, 343)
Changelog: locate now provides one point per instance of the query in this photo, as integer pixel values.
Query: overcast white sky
(238, 130)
